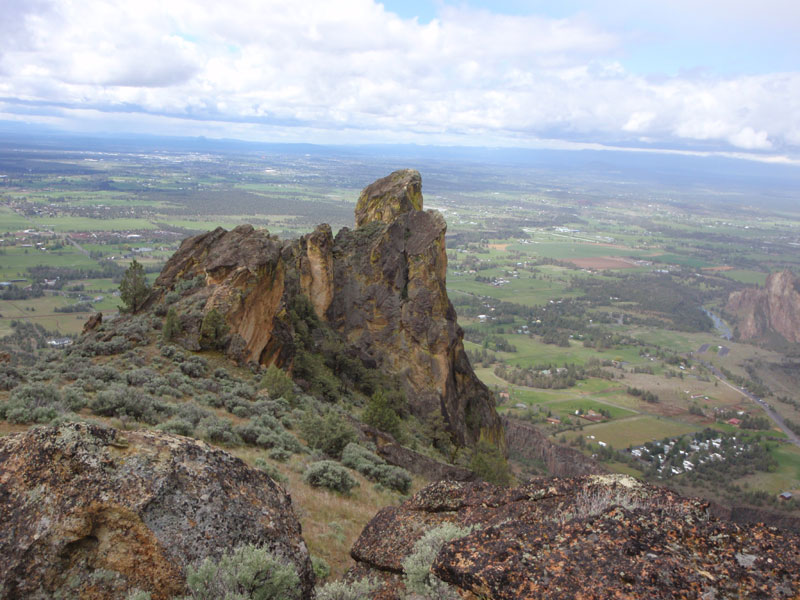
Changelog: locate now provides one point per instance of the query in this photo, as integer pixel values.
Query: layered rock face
(91, 512)
(594, 537)
(381, 286)
(773, 308)
(530, 444)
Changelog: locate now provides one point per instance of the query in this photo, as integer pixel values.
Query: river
(722, 328)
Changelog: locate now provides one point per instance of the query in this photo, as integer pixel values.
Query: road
(776, 418)
(77, 245)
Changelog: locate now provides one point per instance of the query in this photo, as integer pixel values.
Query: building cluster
(681, 455)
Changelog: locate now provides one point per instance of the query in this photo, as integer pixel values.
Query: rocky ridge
(773, 308)
(91, 512)
(593, 537)
(381, 286)
(526, 443)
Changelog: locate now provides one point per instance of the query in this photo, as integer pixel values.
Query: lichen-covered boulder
(91, 512)
(593, 537)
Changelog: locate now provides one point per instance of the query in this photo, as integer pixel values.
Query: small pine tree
(133, 289)
(381, 415)
(278, 384)
(213, 330)
(172, 325)
(488, 463)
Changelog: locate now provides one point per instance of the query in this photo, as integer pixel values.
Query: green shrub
(33, 403)
(322, 570)
(74, 397)
(172, 325)
(417, 566)
(10, 377)
(394, 478)
(104, 373)
(278, 384)
(194, 366)
(380, 414)
(270, 469)
(189, 411)
(311, 368)
(488, 463)
(137, 594)
(220, 431)
(360, 459)
(213, 330)
(184, 285)
(278, 453)
(373, 467)
(331, 475)
(265, 431)
(177, 425)
(330, 433)
(169, 351)
(340, 590)
(249, 572)
(130, 402)
(171, 298)
(140, 377)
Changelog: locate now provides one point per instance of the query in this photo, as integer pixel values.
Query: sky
(707, 76)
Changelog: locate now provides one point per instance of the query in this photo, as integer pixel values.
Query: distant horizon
(722, 76)
(708, 177)
(38, 132)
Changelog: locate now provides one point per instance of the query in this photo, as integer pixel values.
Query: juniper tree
(133, 289)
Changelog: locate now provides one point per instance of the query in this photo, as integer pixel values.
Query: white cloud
(358, 72)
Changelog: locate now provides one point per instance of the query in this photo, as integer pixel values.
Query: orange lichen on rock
(89, 512)
(593, 537)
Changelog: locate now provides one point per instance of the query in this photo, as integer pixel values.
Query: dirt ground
(603, 262)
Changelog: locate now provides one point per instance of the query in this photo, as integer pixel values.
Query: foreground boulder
(380, 286)
(91, 512)
(595, 537)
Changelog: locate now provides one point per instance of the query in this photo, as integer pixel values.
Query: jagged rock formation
(92, 323)
(773, 308)
(527, 443)
(381, 286)
(91, 512)
(387, 198)
(595, 537)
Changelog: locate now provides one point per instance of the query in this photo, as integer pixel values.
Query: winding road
(776, 418)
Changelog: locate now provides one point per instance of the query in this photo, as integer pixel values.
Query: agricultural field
(577, 298)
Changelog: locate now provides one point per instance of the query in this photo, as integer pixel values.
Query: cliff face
(91, 512)
(529, 444)
(773, 308)
(595, 537)
(381, 286)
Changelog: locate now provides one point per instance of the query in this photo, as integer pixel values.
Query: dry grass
(331, 522)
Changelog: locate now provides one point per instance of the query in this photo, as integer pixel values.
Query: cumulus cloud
(356, 69)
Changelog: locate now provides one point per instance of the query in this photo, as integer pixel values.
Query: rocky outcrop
(391, 304)
(773, 308)
(748, 515)
(91, 512)
(418, 464)
(594, 537)
(388, 198)
(92, 323)
(381, 286)
(528, 444)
